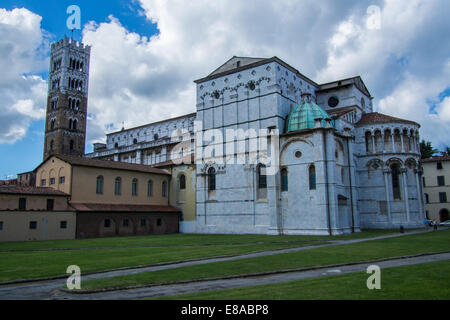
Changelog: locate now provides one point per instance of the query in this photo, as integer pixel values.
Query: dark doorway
(443, 215)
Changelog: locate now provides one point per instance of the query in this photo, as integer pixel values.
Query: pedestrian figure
(426, 223)
(435, 225)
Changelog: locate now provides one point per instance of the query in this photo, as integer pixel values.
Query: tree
(427, 150)
(447, 150)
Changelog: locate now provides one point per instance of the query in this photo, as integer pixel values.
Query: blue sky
(143, 72)
(26, 154)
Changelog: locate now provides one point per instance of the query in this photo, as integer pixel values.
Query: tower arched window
(395, 172)
(118, 186)
(71, 145)
(150, 188)
(134, 187)
(284, 180)
(52, 124)
(75, 124)
(52, 145)
(312, 177)
(182, 182)
(211, 179)
(99, 187)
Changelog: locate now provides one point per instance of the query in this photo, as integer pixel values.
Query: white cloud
(22, 96)
(137, 79)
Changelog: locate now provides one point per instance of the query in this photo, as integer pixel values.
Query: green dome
(303, 115)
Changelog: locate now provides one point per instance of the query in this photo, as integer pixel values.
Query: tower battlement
(67, 42)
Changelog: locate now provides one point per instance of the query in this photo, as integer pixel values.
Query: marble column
(419, 193)
(373, 142)
(405, 188)
(386, 188)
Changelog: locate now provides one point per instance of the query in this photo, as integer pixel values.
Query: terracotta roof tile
(444, 157)
(101, 207)
(375, 117)
(78, 161)
(27, 190)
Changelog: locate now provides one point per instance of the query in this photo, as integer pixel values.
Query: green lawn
(426, 281)
(365, 251)
(27, 265)
(178, 240)
(118, 252)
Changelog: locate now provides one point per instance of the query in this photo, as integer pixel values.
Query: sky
(147, 53)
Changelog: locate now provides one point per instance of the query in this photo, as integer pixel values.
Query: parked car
(445, 223)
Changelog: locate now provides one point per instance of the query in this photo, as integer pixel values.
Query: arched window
(100, 185)
(116, 145)
(262, 178)
(118, 187)
(427, 198)
(70, 124)
(368, 142)
(164, 189)
(284, 180)
(52, 124)
(134, 187)
(211, 179)
(52, 144)
(312, 177)
(75, 124)
(182, 182)
(71, 145)
(395, 172)
(150, 188)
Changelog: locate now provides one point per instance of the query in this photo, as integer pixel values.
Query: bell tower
(68, 81)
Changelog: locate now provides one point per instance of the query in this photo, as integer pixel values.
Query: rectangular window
(63, 224)
(439, 165)
(441, 181)
(52, 181)
(33, 225)
(427, 198)
(107, 223)
(43, 183)
(158, 222)
(1, 225)
(62, 180)
(50, 204)
(126, 222)
(22, 204)
(143, 222)
(442, 197)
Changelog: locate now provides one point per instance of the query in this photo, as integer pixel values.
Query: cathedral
(335, 166)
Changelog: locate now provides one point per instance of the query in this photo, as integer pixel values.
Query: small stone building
(35, 213)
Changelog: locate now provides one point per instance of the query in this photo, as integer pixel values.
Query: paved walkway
(168, 290)
(48, 289)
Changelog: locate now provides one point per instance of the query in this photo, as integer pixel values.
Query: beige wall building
(35, 213)
(112, 198)
(436, 181)
(182, 190)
